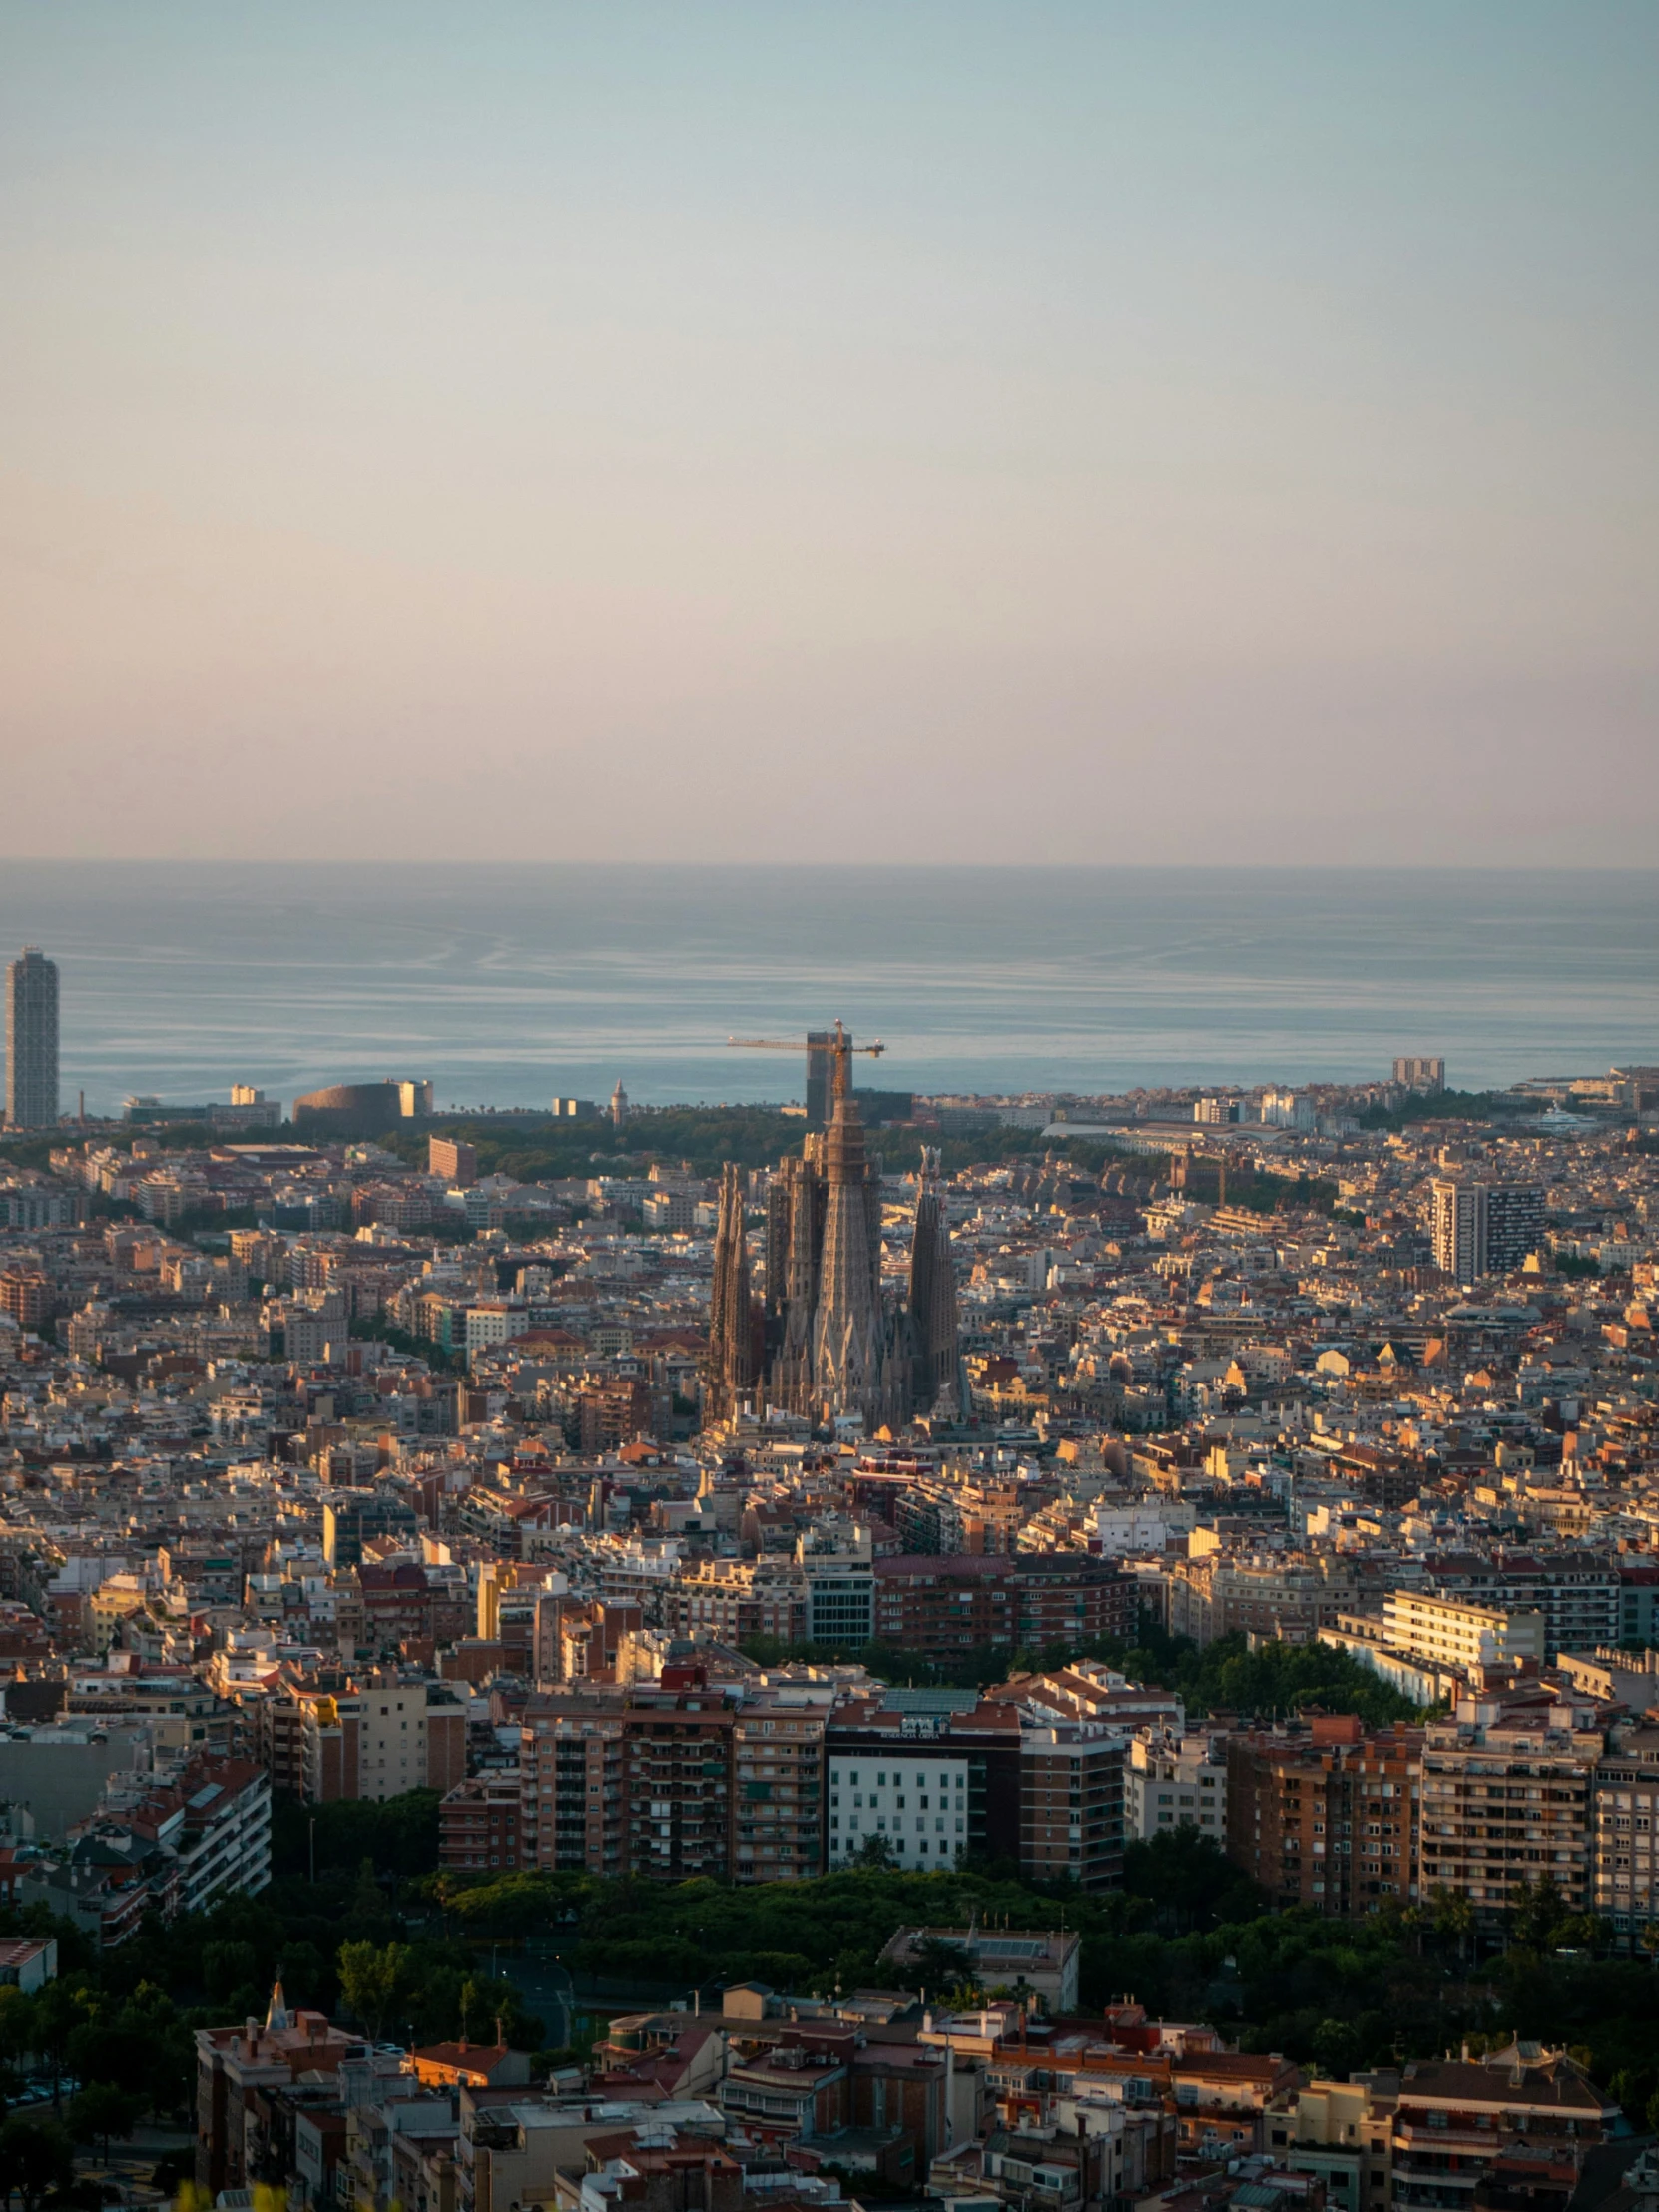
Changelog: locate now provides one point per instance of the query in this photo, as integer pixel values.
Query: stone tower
(932, 1291)
(730, 1359)
(846, 1328)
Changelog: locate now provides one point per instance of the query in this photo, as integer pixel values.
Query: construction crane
(840, 1048)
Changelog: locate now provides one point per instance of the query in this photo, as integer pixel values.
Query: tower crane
(840, 1048)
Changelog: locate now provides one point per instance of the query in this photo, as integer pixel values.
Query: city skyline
(1068, 1613)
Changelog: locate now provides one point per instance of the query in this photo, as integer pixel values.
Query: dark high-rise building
(32, 1042)
(1515, 1224)
(732, 1312)
(348, 1526)
(932, 1292)
(1485, 1228)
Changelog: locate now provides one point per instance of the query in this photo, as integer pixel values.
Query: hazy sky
(1032, 430)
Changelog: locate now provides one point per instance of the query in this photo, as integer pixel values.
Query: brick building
(1326, 1817)
(943, 1606)
(674, 1779)
(1071, 1804)
(480, 1823)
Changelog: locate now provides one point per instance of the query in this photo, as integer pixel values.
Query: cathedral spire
(932, 1289)
(730, 1365)
(847, 1335)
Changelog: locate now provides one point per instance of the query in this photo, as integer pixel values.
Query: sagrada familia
(821, 1340)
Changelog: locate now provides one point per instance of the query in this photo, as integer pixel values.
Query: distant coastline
(506, 986)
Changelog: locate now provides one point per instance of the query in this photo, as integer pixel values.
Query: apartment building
(1333, 2131)
(481, 1824)
(1174, 1781)
(1071, 1804)
(1456, 1634)
(778, 1784)
(1454, 2121)
(571, 1771)
(1508, 1790)
(835, 1564)
(911, 1791)
(677, 1775)
(1626, 1809)
(456, 1162)
(674, 1779)
(237, 2067)
(944, 1606)
(732, 1599)
(931, 1740)
(1326, 1817)
(1579, 1593)
(1284, 1600)
(345, 1738)
(1484, 1228)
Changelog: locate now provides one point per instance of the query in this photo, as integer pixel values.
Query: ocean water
(506, 986)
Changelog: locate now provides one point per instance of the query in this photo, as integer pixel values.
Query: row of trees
(1189, 1933)
(1224, 1676)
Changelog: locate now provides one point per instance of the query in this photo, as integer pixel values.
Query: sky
(1035, 431)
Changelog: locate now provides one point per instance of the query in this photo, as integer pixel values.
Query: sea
(507, 985)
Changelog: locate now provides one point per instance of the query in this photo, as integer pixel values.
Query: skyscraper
(1485, 1228)
(1515, 1224)
(32, 1042)
(1460, 1227)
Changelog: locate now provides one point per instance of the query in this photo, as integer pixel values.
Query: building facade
(1326, 1817)
(1508, 1791)
(1174, 1781)
(1071, 1804)
(32, 1042)
(944, 1606)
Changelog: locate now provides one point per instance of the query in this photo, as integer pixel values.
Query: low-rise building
(1042, 1963)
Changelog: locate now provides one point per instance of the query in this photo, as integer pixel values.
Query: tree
(56, 2011)
(874, 1850)
(35, 2156)
(228, 1967)
(15, 2017)
(1189, 1880)
(1536, 1910)
(369, 1979)
(100, 2112)
(1453, 1915)
(938, 1965)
